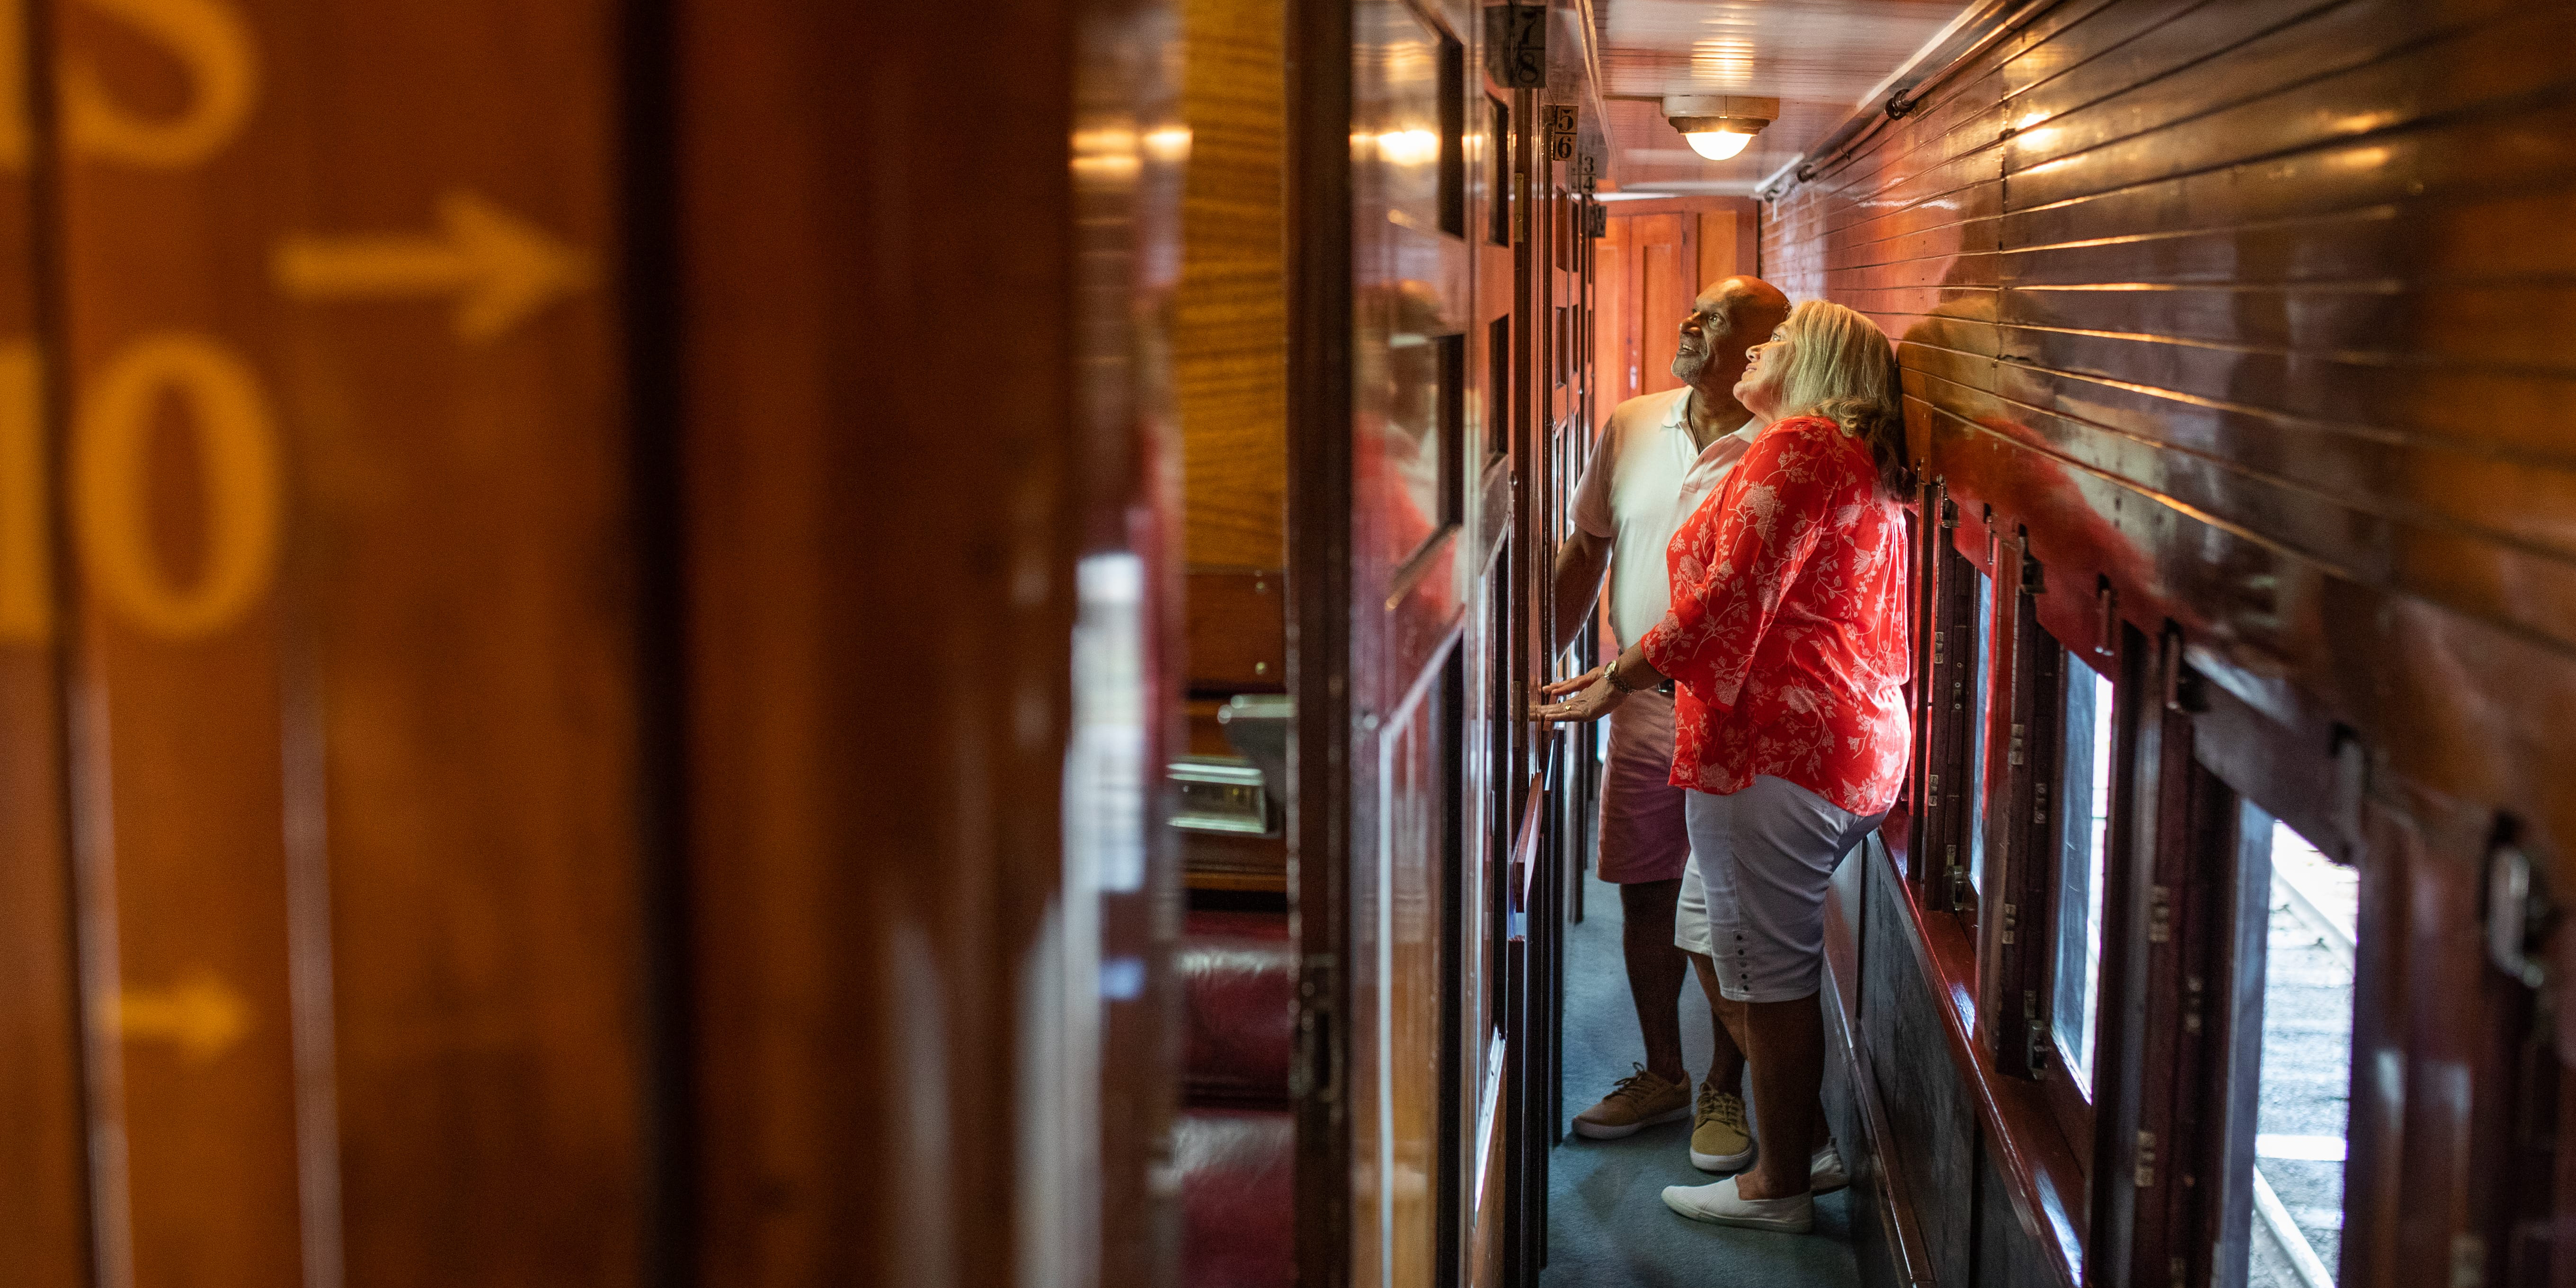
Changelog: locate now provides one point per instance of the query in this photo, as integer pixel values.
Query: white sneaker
(1718, 1205)
(1825, 1171)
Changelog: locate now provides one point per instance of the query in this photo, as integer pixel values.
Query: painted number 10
(109, 485)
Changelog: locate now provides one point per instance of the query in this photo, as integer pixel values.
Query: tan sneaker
(1719, 1142)
(1640, 1100)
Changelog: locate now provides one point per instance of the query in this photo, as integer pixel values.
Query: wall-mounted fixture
(1717, 126)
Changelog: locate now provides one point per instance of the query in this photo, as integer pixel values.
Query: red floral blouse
(1788, 636)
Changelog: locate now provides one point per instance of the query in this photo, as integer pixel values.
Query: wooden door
(465, 477)
(1382, 450)
(1663, 263)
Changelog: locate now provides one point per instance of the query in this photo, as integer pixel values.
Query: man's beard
(1688, 363)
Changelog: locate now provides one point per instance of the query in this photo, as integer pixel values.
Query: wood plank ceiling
(1818, 57)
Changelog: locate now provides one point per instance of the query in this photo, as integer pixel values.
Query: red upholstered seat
(1239, 1002)
(1238, 1222)
(1235, 1144)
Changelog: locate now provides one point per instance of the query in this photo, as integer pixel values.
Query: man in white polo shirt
(1661, 455)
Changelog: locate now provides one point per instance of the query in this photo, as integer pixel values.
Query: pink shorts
(1645, 835)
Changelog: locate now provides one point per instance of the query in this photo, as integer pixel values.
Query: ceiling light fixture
(1718, 126)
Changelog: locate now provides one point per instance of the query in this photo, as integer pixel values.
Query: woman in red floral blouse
(1790, 645)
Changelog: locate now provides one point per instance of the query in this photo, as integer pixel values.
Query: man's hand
(1593, 697)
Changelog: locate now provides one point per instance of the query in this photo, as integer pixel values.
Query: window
(2305, 1070)
(1981, 674)
(2081, 818)
(1498, 384)
(1498, 180)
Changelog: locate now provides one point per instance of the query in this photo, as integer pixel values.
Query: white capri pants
(1753, 900)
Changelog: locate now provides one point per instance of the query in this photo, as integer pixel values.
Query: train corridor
(1607, 1226)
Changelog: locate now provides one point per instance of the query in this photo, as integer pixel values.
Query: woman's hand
(1593, 697)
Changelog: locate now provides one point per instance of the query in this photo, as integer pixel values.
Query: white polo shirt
(1646, 476)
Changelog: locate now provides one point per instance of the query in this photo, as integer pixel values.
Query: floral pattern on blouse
(1788, 637)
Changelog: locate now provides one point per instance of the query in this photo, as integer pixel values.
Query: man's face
(1708, 347)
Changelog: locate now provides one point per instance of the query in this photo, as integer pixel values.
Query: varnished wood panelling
(2276, 349)
(2345, 373)
(1932, 1130)
(356, 753)
(43, 1180)
(1230, 319)
(1237, 639)
(920, 398)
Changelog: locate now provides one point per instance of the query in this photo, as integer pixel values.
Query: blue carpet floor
(1607, 1223)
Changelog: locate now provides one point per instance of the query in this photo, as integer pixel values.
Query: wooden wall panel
(43, 1179)
(1658, 253)
(484, 870)
(925, 442)
(352, 627)
(1230, 318)
(2254, 314)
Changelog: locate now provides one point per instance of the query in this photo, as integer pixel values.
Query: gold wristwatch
(1611, 673)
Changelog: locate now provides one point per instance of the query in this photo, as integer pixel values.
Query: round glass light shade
(1717, 145)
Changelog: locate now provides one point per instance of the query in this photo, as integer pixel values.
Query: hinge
(1958, 882)
(1949, 513)
(2039, 806)
(1937, 638)
(2193, 992)
(2008, 923)
(2146, 1174)
(2468, 1260)
(2159, 914)
(2034, 579)
(2016, 745)
(1317, 1070)
(1934, 789)
(2036, 1058)
(2515, 913)
(1516, 45)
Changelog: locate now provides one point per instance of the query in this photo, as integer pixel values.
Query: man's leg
(1725, 1021)
(1655, 970)
(1787, 1051)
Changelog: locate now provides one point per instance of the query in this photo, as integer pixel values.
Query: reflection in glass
(2083, 832)
(1981, 702)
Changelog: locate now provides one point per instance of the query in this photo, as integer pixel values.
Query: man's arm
(1580, 560)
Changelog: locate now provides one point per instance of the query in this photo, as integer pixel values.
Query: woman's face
(1765, 366)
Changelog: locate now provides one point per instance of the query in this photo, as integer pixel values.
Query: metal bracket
(2515, 913)
(1258, 724)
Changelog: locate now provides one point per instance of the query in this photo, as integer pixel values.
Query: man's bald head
(1731, 315)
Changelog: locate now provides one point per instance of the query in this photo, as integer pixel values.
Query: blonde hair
(1841, 367)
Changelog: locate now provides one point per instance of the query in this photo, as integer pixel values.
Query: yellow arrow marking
(201, 1015)
(499, 267)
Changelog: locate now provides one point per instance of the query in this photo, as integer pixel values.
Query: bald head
(1730, 316)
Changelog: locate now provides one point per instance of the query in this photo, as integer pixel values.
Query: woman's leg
(1788, 1058)
(1783, 846)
